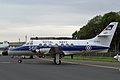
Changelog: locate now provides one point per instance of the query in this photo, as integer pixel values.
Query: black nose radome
(5, 53)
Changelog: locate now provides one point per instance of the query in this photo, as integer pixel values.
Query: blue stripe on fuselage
(64, 48)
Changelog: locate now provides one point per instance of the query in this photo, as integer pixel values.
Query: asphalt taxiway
(45, 69)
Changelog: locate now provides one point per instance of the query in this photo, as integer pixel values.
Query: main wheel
(19, 61)
(57, 62)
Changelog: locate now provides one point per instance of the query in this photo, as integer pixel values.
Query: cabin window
(72, 45)
(56, 44)
(67, 45)
(87, 42)
(50, 45)
(62, 45)
(45, 45)
(40, 45)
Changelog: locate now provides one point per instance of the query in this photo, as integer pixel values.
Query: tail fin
(105, 37)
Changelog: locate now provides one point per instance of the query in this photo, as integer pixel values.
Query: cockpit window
(27, 43)
(31, 43)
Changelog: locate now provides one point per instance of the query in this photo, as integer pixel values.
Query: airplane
(117, 57)
(4, 45)
(60, 48)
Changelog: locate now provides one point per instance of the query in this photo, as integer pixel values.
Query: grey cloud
(25, 14)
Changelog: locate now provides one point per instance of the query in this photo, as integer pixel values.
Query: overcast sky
(19, 18)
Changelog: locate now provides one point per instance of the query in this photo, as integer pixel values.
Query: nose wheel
(19, 61)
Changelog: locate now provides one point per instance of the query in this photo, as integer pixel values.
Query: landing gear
(41, 56)
(19, 61)
(12, 56)
(57, 59)
(58, 62)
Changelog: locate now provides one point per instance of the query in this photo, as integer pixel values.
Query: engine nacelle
(36, 51)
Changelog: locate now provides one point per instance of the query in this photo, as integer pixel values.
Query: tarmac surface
(45, 69)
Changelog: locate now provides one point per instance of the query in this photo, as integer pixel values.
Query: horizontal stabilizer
(104, 35)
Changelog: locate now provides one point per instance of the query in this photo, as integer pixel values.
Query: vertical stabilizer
(105, 37)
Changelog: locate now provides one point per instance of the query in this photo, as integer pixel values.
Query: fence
(109, 54)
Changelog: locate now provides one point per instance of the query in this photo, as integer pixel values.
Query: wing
(55, 50)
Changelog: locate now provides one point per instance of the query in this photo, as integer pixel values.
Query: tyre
(19, 61)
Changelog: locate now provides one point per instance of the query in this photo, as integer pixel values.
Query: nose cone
(5, 53)
(115, 57)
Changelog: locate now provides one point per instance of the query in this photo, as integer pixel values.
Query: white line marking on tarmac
(109, 67)
(100, 66)
(5, 62)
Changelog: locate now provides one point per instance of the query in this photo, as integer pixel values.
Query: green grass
(92, 58)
